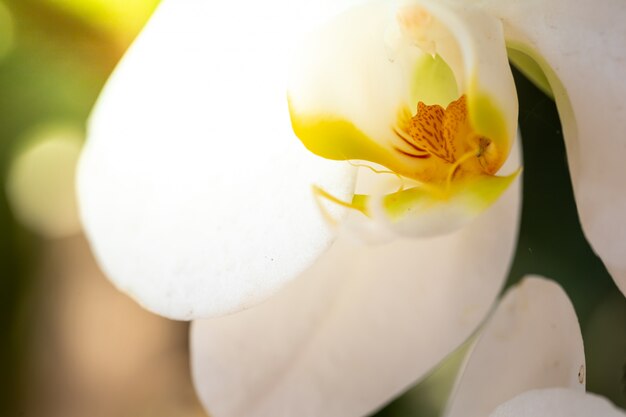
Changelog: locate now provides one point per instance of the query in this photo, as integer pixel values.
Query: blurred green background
(61, 321)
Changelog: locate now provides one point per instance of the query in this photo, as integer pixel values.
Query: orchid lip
(410, 88)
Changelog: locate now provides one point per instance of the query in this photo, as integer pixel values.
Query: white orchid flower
(197, 197)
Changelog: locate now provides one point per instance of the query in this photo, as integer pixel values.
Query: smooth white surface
(194, 192)
(359, 327)
(531, 341)
(584, 44)
(558, 402)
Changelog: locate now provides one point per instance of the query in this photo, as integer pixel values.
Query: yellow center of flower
(443, 143)
(441, 131)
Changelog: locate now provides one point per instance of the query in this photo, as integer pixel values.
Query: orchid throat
(447, 135)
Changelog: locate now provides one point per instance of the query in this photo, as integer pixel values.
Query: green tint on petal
(477, 194)
(530, 68)
(434, 82)
(487, 118)
(484, 191)
(426, 210)
(543, 73)
(533, 65)
(402, 203)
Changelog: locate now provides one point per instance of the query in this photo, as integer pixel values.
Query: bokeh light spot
(7, 31)
(40, 185)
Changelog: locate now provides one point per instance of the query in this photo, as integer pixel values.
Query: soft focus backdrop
(74, 346)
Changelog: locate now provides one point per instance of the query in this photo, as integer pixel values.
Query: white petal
(194, 191)
(532, 341)
(359, 327)
(558, 402)
(582, 45)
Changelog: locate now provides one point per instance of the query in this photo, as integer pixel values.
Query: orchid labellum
(214, 181)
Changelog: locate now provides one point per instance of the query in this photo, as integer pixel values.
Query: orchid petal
(557, 402)
(359, 326)
(194, 191)
(532, 341)
(581, 47)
